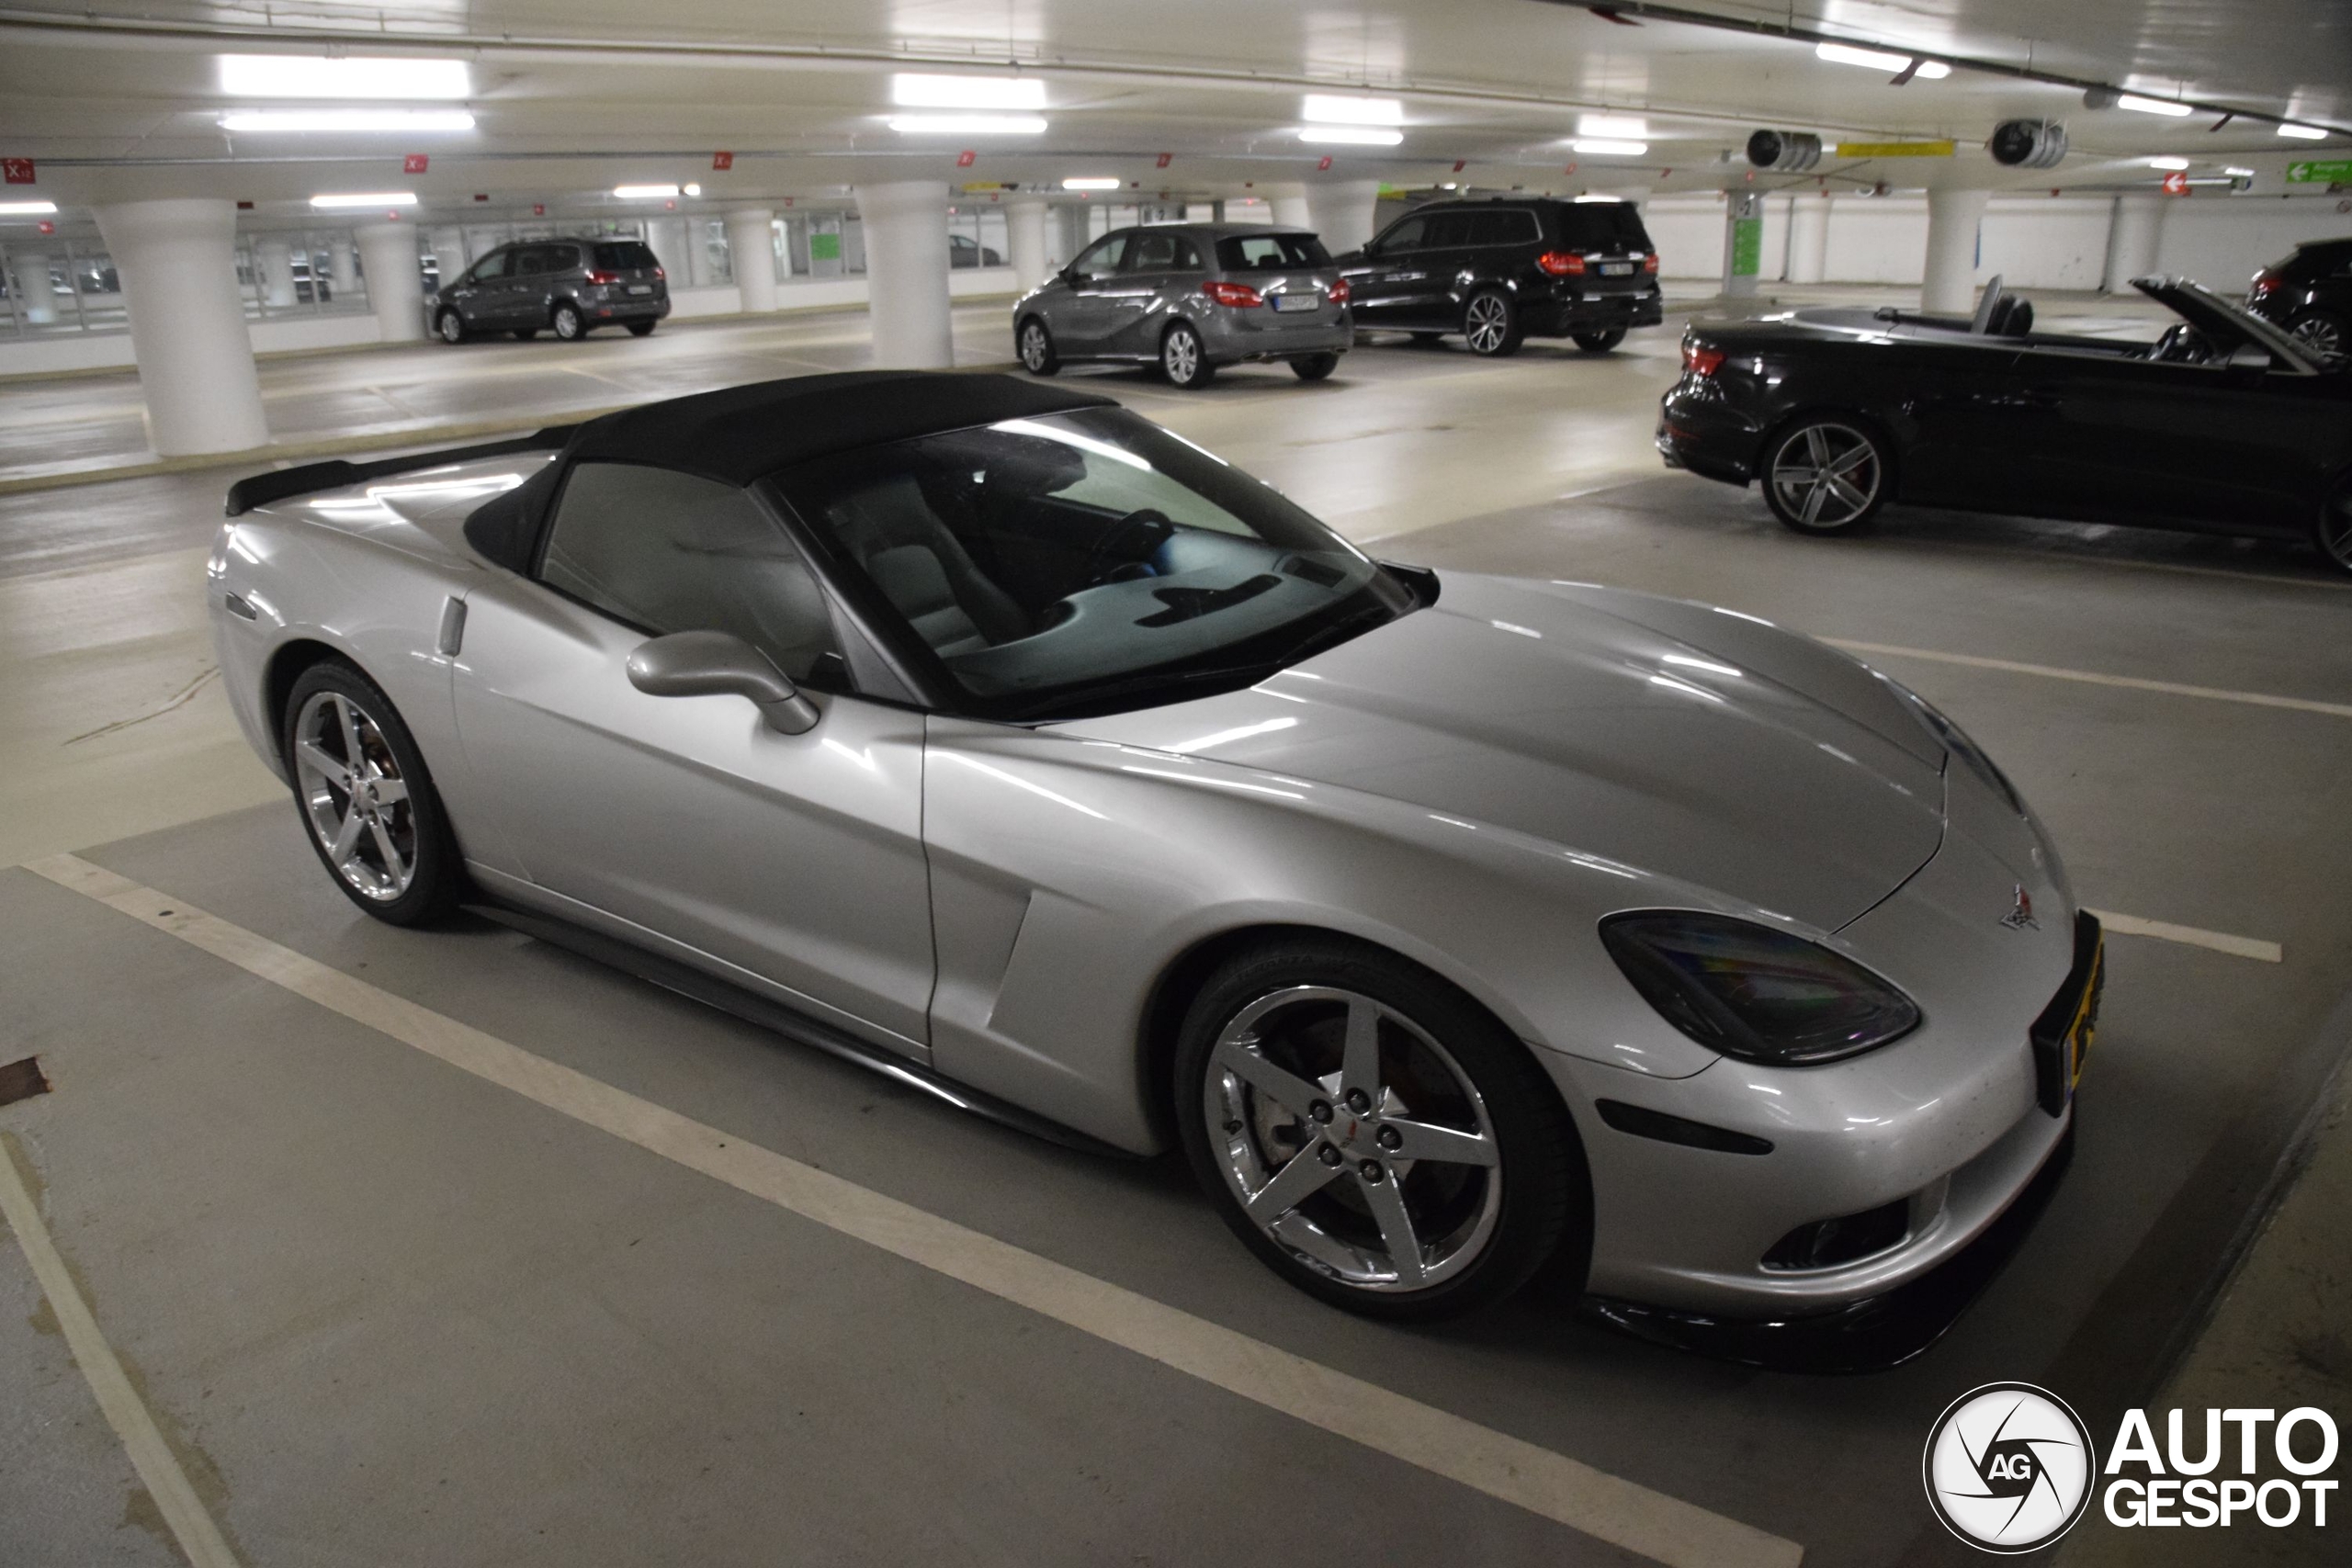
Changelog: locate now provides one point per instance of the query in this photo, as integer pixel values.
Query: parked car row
(1190, 298)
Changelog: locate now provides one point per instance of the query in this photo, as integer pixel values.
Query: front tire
(1490, 324)
(450, 326)
(368, 802)
(1037, 346)
(1599, 341)
(1314, 366)
(2332, 532)
(1183, 359)
(1371, 1133)
(1826, 474)
(568, 324)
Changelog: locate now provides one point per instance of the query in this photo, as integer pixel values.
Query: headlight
(1752, 992)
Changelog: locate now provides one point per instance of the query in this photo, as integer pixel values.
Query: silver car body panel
(1123, 317)
(1473, 786)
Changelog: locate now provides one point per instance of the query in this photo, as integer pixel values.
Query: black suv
(569, 287)
(2310, 294)
(1498, 269)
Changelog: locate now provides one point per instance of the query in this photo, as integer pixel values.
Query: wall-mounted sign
(722, 161)
(978, 187)
(1325, 164)
(1458, 164)
(2334, 171)
(964, 159)
(1747, 246)
(17, 171)
(48, 227)
(2176, 184)
(539, 209)
(1164, 157)
(1895, 149)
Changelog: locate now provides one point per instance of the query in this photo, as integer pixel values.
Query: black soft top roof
(742, 434)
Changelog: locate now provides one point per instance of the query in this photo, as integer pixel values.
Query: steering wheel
(2182, 344)
(1102, 564)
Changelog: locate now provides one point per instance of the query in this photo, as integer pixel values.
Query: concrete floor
(388, 1312)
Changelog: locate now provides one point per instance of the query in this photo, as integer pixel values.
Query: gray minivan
(1189, 297)
(567, 286)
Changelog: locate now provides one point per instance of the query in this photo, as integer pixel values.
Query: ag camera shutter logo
(2008, 1467)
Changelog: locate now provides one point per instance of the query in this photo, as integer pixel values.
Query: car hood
(1676, 739)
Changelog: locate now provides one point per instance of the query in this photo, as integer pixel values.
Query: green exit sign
(2334, 171)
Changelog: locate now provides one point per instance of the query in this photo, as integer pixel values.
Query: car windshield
(1087, 561)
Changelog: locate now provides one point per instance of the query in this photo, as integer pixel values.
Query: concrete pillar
(2131, 237)
(342, 270)
(1743, 244)
(1954, 217)
(178, 260)
(666, 237)
(906, 273)
(751, 245)
(1809, 237)
(395, 279)
(274, 273)
(1072, 223)
(1025, 232)
(1340, 211)
(30, 285)
(1291, 211)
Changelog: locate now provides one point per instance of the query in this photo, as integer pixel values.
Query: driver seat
(923, 570)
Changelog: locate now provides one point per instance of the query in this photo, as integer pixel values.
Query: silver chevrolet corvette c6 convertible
(989, 734)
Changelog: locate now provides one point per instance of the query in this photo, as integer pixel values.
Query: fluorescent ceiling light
(2167, 162)
(353, 76)
(347, 119)
(1881, 60)
(1329, 108)
(26, 208)
(1603, 147)
(2152, 106)
(1090, 181)
(2303, 132)
(1623, 128)
(2233, 170)
(1352, 135)
(966, 124)
(644, 193)
(968, 91)
(366, 198)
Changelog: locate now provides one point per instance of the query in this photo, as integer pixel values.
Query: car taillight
(1340, 292)
(1240, 296)
(2266, 282)
(1649, 262)
(659, 276)
(1561, 264)
(1698, 359)
(604, 277)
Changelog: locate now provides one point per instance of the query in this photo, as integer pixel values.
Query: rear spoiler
(260, 489)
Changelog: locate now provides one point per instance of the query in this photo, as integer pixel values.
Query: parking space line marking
(1607, 1507)
(2219, 941)
(158, 1468)
(2134, 682)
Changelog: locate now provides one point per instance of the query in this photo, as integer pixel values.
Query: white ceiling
(574, 96)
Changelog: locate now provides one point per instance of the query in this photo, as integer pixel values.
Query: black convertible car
(2224, 424)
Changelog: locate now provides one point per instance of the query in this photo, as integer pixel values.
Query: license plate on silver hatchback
(1284, 302)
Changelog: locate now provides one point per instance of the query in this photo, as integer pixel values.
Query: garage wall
(2033, 241)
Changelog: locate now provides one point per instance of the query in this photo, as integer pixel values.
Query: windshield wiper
(1337, 632)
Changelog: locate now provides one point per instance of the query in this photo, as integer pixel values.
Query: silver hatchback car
(1189, 297)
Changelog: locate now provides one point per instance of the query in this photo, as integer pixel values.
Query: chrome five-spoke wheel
(353, 792)
(1353, 1139)
(1825, 477)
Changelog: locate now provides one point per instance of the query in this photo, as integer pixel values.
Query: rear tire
(366, 799)
(642, 329)
(450, 327)
(1490, 324)
(1184, 360)
(1826, 474)
(2322, 331)
(2332, 532)
(1314, 367)
(1497, 1188)
(569, 325)
(1599, 341)
(1036, 343)
(525, 334)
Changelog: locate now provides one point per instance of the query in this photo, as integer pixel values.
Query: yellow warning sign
(1895, 149)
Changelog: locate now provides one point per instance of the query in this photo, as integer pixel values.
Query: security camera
(2028, 143)
(1784, 151)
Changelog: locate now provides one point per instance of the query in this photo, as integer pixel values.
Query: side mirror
(706, 664)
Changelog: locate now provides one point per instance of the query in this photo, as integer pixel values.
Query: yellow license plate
(2085, 1027)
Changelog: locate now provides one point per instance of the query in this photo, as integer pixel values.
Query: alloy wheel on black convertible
(2334, 532)
(1825, 477)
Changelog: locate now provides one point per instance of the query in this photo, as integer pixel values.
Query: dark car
(1502, 269)
(569, 287)
(963, 251)
(2224, 424)
(2310, 294)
